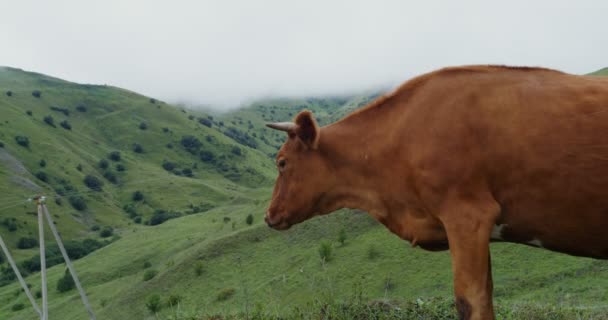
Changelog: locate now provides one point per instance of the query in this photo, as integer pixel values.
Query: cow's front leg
(468, 226)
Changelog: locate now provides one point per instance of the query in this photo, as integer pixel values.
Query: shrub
(120, 167)
(168, 165)
(1, 144)
(95, 228)
(236, 151)
(137, 219)
(66, 283)
(169, 146)
(153, 303)
(372, 252)
(191, 144)
(9, 93)
(79, 167)
(137, 196)
(143, 126)
(65, 124)
(241, 137)
(225, 294)
(22, 141)
(77, 202)
(205, 122)
(325, 251)
(65, 111)
(199, 268)
(152, 100)
(249, 219)
(58, 201)
(103, 164)
(81, 108)
(42, 176)
(342, 236)
(36, 93)
(187, 172)
(206, 156)
(93, 182)
(191, 117)
(147, 264)
(161, 216)
(29, 112)
(50, 121)
(174, 300)
(114, 156)
(18, 306)
(137, 148)
(27, 243)
(42, 163)
(106, 232)
(110, 176)
(149, 274)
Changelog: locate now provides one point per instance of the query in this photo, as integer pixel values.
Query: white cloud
(226, 52)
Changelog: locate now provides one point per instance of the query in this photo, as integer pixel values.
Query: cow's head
(304, 174)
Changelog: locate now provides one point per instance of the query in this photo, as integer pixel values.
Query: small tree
(41, 175)
(106, 232)
(143, 126)
(137, 148)
(342, 236)
(77, 202)
(325, 251)
(120, 167)
(36, 93)
(29, 112)
(138, 196)
(66, 283)
(103, 164)
(79, 167)
(22, 141)
(114, 156)
(249, 219)
(50, 121)
(42, 163)
(66, 125)
(9, 93)
(153, 303)
(110, 176)
(93, 182)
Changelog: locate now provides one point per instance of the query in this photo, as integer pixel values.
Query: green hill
(601, 72)
(207, 172)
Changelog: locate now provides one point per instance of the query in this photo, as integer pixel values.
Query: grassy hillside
(601, 72)
(210, 259)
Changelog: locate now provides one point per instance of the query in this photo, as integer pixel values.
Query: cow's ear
(307, 129)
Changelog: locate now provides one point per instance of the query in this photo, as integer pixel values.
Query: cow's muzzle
(277, 223)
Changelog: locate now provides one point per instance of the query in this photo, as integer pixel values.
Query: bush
(325, 251)
(42, 163)
(9, 93)
(137, 148)
(95, 227)
(42, 176)
(1, 144)
(152, 100)
(206, 156)
(205, 122)
(225, 294)
(81, 108)
(249, 219)
(114, 156)
(36, 93)
(18, 306)
(187, 172)
(106, 232)
(149, 274)
(174, 300)
(236, 151)
(110, 176)
(79, 167)
(29, 112)
(93, 183)
(199, 268)
(50, 121)
(27, 243)
(241, 137)
(342, 236)
(65, 111)
(143, 126)
(120, 168)
(168, 165)
(153, 303)
(66, 283)
(147, 264)
(77, 202)
(65, 124)
(103, 164)
(22, 141)
(137, 196)
(161, 216)
(191, 144)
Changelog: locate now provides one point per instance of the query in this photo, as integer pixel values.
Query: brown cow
(457, 158)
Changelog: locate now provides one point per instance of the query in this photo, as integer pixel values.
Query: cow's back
(537, 138)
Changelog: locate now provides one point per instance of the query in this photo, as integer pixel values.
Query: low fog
(225, 53)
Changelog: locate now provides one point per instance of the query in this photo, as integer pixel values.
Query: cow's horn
(283, 126)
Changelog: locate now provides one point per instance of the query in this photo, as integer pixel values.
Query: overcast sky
(227, 52)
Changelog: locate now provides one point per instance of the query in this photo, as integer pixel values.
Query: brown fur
(450, 154)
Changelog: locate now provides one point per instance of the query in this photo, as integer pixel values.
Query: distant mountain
(601, 72)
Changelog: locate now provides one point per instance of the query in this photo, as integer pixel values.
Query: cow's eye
(282, 163)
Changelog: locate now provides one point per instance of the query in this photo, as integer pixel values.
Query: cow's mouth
(280, 224)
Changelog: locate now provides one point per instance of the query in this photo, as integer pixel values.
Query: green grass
(601, 72)
(213, 262)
